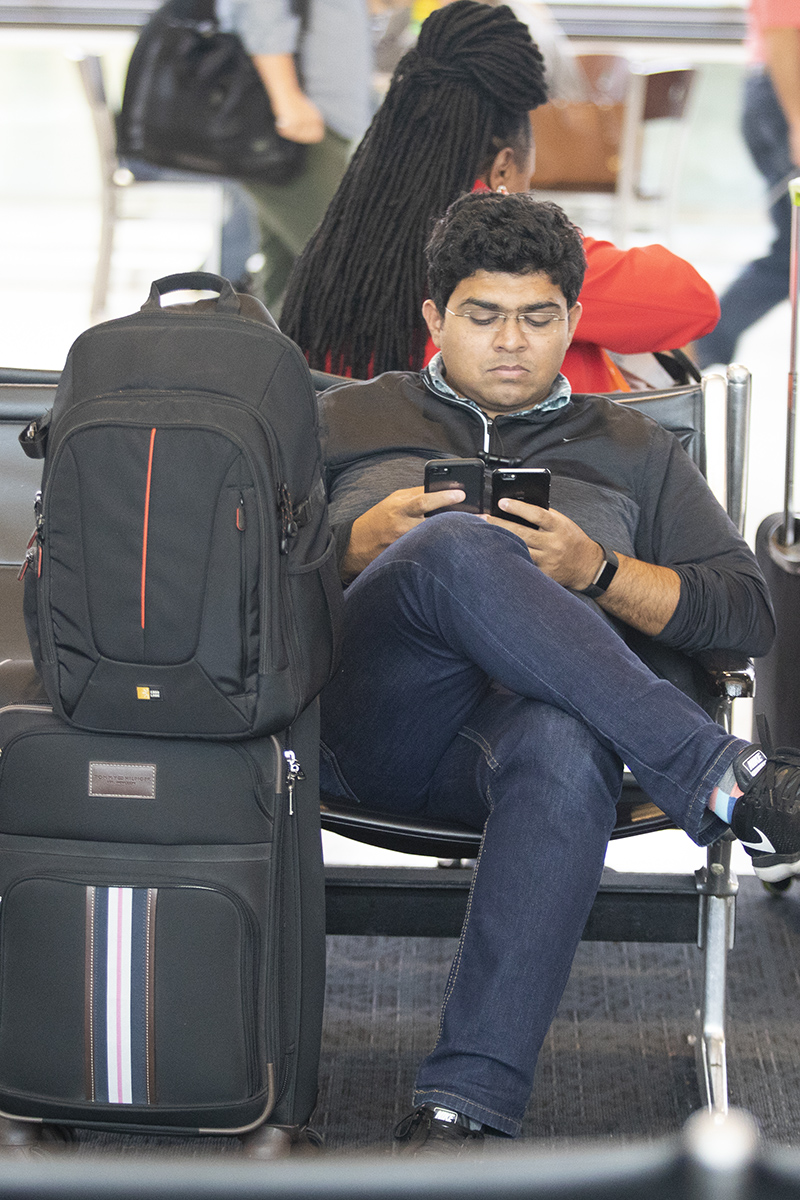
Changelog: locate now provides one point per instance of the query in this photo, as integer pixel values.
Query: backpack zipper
(289, 528)
(146, 526)
(33, 550)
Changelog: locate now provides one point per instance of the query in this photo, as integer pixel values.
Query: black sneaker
(432, 1129)
(766, 817)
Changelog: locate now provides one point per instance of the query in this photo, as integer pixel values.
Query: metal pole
(738, 431)
(794, 283)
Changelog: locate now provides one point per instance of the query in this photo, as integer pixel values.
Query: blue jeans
(765, 281)
(474, 688)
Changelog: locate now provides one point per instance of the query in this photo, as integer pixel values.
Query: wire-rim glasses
(494, 319)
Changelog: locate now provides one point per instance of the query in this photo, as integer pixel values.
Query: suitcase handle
(194, 281)
(789, 531)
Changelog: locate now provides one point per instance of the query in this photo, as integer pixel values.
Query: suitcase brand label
(123, 780)
(147, 693)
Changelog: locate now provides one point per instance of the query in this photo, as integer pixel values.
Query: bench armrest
(730, 673)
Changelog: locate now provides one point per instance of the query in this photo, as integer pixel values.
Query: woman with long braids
(456, 116)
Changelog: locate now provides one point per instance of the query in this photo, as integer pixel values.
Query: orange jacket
(634, 301)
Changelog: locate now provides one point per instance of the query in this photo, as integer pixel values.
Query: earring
(502, 190)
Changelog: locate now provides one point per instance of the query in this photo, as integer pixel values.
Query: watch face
(606, 575)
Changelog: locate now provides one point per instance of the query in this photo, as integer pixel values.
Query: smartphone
(442, 474)
(530, 484)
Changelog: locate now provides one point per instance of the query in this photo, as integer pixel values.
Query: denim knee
(453, 540)
(529, 746)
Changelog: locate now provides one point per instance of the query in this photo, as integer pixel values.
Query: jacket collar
(434, 380)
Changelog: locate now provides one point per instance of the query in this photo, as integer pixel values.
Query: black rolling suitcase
(161, 926)
(778, 552)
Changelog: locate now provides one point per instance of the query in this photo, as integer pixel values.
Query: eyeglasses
(528, 322)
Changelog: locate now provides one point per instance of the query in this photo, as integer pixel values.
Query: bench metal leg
(718, 886)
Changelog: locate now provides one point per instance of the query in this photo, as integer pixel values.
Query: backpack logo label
(123, 780)
(146, 693)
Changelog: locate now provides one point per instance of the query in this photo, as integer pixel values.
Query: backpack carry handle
(194, 281)
(33, 438)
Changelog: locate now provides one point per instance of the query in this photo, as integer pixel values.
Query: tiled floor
(49, 223)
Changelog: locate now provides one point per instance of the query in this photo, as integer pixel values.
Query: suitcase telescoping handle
(789, 532)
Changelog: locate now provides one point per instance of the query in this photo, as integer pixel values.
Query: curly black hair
(465, 92)
(515, 234)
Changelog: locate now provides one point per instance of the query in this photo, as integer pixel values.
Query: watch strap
(602, 580)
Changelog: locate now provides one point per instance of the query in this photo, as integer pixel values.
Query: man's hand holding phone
(559, 547)
(556, 544)
(388, 520)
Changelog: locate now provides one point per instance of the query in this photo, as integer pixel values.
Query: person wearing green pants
(315, 60)
(289, 213)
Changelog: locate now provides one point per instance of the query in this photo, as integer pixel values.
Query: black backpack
(182, 577)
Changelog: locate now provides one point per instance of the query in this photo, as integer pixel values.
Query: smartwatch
(601, 581)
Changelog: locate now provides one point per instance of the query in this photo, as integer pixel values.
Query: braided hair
(354, 297)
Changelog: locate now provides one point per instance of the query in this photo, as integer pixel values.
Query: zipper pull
(30, 555)
(288, 523)
(294, 772)
(241, 522)
(33, 550)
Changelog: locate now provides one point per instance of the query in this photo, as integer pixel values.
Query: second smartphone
(529, 484)
(443, 474)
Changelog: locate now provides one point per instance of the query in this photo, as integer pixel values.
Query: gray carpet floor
(618, 1060)
(617, 1063)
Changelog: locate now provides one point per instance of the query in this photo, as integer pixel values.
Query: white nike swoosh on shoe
(765, 846)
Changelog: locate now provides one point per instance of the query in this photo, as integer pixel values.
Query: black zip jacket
(620, 476)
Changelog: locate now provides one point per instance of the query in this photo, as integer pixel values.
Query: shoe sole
(778, 872)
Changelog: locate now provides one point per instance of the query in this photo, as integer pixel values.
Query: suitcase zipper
(294, 773)
(289, 772)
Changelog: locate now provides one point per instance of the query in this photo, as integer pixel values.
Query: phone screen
(529, 484)
(442, 474)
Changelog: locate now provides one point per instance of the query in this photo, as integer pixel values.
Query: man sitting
(485, 674)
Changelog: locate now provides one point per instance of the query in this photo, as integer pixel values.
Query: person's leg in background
(239, 235)
(764, 282)
(288, 214)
